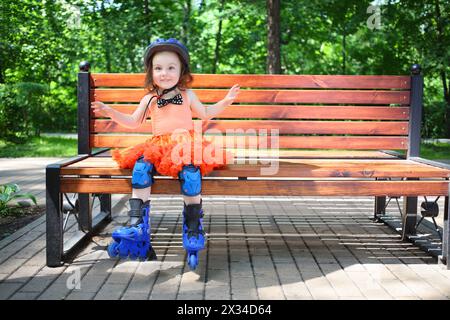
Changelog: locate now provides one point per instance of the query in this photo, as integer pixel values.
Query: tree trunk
(218, 38)
(447, 100)
(106, 40)
(201, 5)
(273, 37)
(2, 72)
(343, 52)
(185, 31)
(147, 19)
(443, 74)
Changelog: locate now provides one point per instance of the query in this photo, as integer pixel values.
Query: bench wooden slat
(303, 154)
(272, 96)
(299, 112)
(267, 188)
(264, 81)
(108, 162)
(284, 127)
(287, 142)
(305, 168)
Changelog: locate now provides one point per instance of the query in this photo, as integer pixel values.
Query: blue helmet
(166, 45)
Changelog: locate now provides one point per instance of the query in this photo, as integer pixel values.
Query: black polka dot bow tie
(178, 99)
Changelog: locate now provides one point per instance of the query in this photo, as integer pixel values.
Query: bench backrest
(350, 112)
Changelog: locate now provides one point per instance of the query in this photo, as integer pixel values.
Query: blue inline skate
(193, 234)
(134, 241)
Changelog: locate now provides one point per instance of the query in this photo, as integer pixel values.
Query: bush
(60, 108)
(434, 120)
(20, 110)
(27, 109)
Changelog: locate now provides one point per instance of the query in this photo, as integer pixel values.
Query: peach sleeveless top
(171, 117)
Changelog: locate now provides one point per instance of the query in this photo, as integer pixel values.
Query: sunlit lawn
(40, 147)
(435, 151)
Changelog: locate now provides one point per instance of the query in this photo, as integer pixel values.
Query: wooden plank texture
(284, 127)
(303, 168)
(288, 142)
(304, 154)
(264, 81)
(265, 187)
(272, 96)
(298, 112)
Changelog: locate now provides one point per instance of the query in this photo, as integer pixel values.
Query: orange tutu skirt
(169, 153)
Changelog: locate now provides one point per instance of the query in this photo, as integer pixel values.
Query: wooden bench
(337, 136)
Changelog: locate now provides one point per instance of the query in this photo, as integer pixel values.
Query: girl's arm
(129, 121)
(206, 113)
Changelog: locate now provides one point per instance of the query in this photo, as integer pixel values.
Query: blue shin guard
(134, 241)
(193, 234)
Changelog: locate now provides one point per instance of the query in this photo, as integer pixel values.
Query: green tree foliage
(42, 43)
(22, 110)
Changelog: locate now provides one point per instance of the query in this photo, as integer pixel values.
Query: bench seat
(318, 176)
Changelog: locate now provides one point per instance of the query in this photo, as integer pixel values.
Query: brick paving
(258, 248)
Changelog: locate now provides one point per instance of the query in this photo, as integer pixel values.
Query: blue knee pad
(191, 180)
(142, 174)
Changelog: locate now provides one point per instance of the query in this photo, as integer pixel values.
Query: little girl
(169, 104)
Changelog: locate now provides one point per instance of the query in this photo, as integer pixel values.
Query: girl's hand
(102, 108)
(232, 94)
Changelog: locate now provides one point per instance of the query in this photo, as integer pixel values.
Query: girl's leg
(192, 200)
(138, 198)
(193, 235)
(141, 181)
(143, 194)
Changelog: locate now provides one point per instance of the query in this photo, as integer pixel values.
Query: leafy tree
(43, 42)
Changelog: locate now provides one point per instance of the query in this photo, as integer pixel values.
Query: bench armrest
(74, 159)
(100, 153)
(394, 153)
(66, 162)
(431, 162)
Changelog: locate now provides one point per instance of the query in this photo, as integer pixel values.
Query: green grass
(40, 147)
(435, 151)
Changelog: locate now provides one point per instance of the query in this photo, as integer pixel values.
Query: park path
(258, 248)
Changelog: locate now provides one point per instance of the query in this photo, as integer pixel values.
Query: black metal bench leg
(106, 204)
(85, 215)
(380, 208)
(409, 217)
(446, 233)
(54, 218)
(86, 204)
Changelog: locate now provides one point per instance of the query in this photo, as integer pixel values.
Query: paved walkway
(258, 248)
(28, 173)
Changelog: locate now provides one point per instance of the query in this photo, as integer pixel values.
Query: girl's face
(166, 69)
